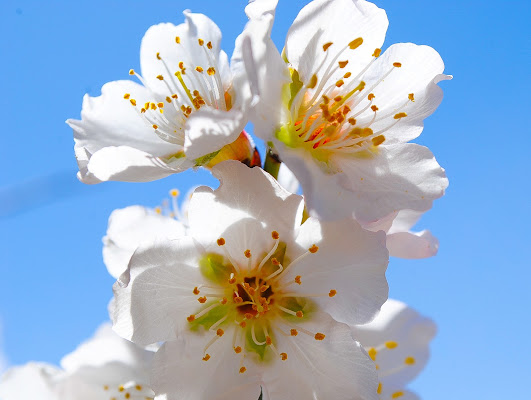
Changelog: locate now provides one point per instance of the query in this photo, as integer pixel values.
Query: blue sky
(54, 288)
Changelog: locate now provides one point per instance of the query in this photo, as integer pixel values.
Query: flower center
(188, 89)
(256, 301)
(334, 116)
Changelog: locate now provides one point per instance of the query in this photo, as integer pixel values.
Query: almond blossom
(250, 300)
(340, 112)
(105, 367)
(187, 111)
(397, 340)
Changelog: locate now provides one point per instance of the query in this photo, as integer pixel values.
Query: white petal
(333, 368)
(339, 22)
(266, 72)
(287, 179)
(402, 176)
(208, 130)
(128, 228)
(154, 305)
(350, 260)
(111, 120)
(161, 39)
(259, 8)
(419, 74)
(179, 373)
(412, 333)
(243, 193)
(127, 164)
(122, 360)
(412, 245)
(404, 221)
(31, 381)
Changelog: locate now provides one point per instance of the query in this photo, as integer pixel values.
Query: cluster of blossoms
(250, 289)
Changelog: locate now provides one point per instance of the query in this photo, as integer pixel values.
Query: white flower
(105, 367)
(398, 341)
(252, 298)
(340, 115)
(188, 107)
(401, 241)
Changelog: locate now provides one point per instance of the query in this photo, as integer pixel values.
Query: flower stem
(272, 163)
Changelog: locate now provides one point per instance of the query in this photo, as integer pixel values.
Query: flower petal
(412, 245)
(355, 261)
(402, 176)
(127, 164)
(162, 39)
(111, 120)
(243, 193)
(208, 130)
(350, 19)
(333, 368)
(420, 71)
(30, 381)
(158, 297)
(411, 333)
(180, 373)
(128, 228)
(267, 73)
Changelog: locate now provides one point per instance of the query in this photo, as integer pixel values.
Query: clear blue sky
(54, 288)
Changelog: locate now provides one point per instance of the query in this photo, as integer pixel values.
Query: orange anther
(201, 42)
(332, 293)
(202, 300)
(342, 64)
(206, 357)
(247, 253)
(237, 349)
(377, 52)
(319, 336)
(313, 249)
(196, 291)
(223, 300)
(327, 45)
(299, 314)
(356, 43)
(400, 115)
(238, 299)
(158, 56)
(293, 332)
(283, 356)
(411, 96)
(374, 108)
(220, 332)
(397, 64)
(263, 288)
(269, 341)
(190, 318)
(160, 77)
(275, 235)
(221, 242)
(242, 370)
(298, 279)
(209, 45)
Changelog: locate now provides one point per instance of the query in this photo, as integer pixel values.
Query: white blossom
(251, 299)
(186, 110)
(340, 113)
